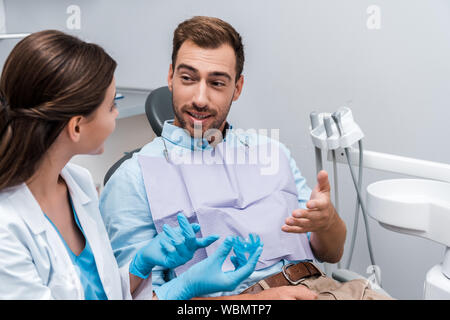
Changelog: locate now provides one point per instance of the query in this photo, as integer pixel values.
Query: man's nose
(201, 95)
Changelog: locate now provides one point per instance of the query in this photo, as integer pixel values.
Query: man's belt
(291, 274)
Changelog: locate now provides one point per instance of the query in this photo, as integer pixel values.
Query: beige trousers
(330, 289)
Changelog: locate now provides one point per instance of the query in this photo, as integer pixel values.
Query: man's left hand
(320, 214)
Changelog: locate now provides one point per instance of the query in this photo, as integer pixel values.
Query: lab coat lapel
(81, 201)
(30, 211)
(92, 236)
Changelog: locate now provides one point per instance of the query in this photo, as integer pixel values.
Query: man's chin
(197, 128)
(196, 131)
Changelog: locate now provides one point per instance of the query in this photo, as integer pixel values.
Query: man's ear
(238, 88)
(170, 78)
(73, 128)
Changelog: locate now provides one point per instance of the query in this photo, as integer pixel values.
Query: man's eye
(186, 78)
(218, 84)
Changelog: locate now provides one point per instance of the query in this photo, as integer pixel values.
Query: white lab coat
(34, 262)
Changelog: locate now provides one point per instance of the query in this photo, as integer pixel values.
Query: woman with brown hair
(57, 100)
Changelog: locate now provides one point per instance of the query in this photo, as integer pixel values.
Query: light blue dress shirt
(126, 212)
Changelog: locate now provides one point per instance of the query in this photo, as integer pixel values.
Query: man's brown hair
(211, 33)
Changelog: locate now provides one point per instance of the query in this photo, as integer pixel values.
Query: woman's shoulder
(7, 195)
(8, 204)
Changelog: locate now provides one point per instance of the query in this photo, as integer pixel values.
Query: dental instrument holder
(351, 132)
(392, 214)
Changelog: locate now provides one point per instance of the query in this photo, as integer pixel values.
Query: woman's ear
(74, 128)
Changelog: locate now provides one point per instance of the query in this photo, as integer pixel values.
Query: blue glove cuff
(135, 271)
(175, 289)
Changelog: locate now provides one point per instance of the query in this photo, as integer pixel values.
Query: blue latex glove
(243, 248)
(170, 248)
(207, 275)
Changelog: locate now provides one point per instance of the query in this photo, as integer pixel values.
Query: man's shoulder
(151, 149)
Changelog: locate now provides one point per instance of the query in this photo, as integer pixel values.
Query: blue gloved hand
(241, 247)
(170, 248)
(207, 275)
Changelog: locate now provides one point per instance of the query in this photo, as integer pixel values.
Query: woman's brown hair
(48, 78)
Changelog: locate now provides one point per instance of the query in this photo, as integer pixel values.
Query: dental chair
(158, 108)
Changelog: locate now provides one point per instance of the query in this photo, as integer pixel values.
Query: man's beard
(216, 124)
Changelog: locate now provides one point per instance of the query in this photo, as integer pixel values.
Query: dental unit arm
(419, 207)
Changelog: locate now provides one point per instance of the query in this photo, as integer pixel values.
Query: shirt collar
(182, 138)
(76, 192)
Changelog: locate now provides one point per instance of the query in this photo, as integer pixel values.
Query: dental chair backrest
(158, 108)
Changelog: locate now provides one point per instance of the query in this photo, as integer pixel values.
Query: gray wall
(303, 56)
